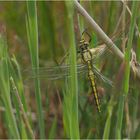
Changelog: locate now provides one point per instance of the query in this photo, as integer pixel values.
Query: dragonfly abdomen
(93, 85)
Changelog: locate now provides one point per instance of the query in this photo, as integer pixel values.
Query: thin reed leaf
(5, 90)
(136, 91)
(125, 88)
(24, 116)
(53, 128)
(73, 83)
(66, 111)
(32, 33)
(138, 44)
(16, 74)
(20, 82)
(108, 121)
(21, 125)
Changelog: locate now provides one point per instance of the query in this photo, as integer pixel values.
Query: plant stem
(101, 33)
(25, 119)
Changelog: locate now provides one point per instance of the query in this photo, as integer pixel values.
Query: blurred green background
(54, 43)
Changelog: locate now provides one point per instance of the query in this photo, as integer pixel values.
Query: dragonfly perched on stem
(86, 64)
(87, 59)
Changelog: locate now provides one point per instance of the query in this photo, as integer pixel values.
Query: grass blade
(32, 32)
(5, 90)
(108, 121)
(125, 87)
(24, 116)
(136, 96)
(53, 128)
(73, 83)
(15, 73)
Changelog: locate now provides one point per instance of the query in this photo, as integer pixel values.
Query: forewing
(52, 72)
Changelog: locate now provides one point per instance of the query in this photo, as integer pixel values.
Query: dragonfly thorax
(83, 43)
(85, 53)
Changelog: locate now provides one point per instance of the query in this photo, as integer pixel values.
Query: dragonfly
(87, 59)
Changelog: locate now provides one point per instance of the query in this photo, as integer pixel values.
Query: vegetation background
(38, 103)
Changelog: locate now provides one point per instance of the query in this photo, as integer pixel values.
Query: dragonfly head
(86, 36)
(85, 40)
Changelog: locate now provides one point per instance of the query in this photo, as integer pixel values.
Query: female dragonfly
(88, 58)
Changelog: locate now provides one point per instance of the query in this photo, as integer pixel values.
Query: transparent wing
(53, 73)
(62, 71)
(99, 53)
(99, 75)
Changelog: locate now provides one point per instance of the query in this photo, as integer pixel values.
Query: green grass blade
(19, 81)
(32, 32)
(136, 92)
(108, 121)
(119, 118)
(129, 46)
(66, 112)
(16, 74)
(24, 115)
(53, 128)
(73, 83)
(5, 90)
(125, 87)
